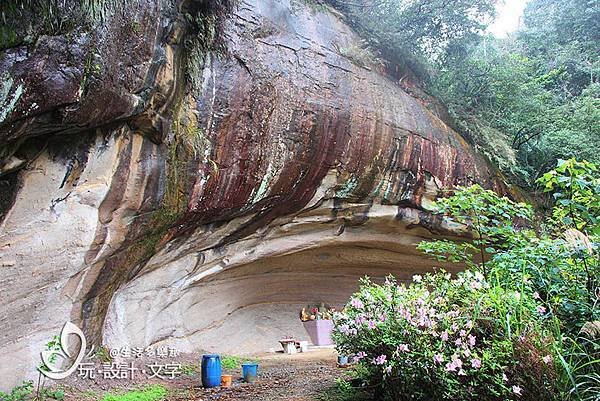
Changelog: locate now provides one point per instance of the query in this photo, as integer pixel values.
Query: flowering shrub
(448, 339)
(522, 323)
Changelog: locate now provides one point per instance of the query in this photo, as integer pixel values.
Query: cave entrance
(246, 309)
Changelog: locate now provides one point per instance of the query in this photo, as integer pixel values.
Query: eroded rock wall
(191, 212)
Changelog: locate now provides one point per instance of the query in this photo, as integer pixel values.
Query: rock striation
(161, 191)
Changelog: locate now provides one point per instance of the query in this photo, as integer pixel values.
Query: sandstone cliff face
(148, 209)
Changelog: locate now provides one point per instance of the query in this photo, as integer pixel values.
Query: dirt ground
(299, 377)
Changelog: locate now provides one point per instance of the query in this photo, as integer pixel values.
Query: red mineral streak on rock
(291, 92)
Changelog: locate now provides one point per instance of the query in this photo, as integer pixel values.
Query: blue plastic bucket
(249, 371)
(211, 370)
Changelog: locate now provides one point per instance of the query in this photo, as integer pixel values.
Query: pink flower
(517, 390)
(360, 355)
(462, 333)
(458, 341)
(438, 358)
(403, 348)
(541, 310)
(536, 295)
(371, 324)
(476, 285)
(454, 365)
(471, 340)
(476, 363)
(547, 359)
(357, 303)
(444, 336)
(380, 360)
(388, 369)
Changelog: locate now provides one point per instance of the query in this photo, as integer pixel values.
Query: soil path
(299, 377)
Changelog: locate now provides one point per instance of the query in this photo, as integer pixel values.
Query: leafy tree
(575, 187)
(409, 33)
(532, 98)
(566, 34)
(488, 216)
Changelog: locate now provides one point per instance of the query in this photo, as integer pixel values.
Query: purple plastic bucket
(319, 331)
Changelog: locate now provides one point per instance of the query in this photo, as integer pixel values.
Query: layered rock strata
(171, 195)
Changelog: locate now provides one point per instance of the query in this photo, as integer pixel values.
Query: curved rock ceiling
(150, 210)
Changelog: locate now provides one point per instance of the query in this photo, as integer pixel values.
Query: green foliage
(49, 17)
(561, 268)
(103, 354)
(53, 394)
(533, 316)
(207, 20)
(189, 369)
(19, 393)
(151, 393)
(26, 391)
(342, 390)
(409, 33)
(536, 93)
(488, 216)
(575, 187)
(231, 362)
(52, 345)
(448, 339)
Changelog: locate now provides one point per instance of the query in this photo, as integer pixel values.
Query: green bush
(19, 393)
(230, 362)
(445, 338)
(521, 323)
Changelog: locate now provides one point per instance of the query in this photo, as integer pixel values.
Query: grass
(90, 395)
(343, 391)
(103, 354)
(18, 393)
(230, 362)
(189, 369)
(151, 393)
(26, 392)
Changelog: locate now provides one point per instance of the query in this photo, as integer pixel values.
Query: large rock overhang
(302, 172)
(313, 173)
